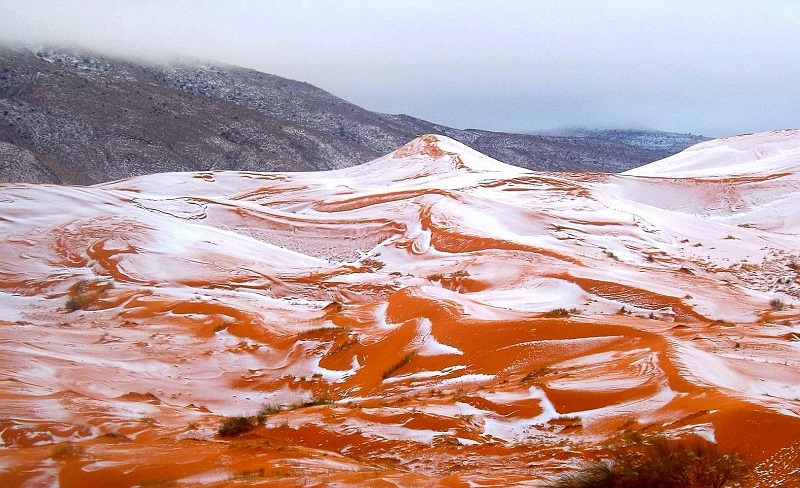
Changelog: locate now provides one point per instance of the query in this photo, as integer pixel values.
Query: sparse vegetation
(657, 462)
(777, 304)
(351, 341)
(317, 401)
(81, 301)
(232, 426)
(567, 421)
(745, 266)
(80, 296)
(263, 473)
(538, 372)
(399, 364)
(321, 330)
(372, 264)
(611, 255)
(563, 312)
(267, 410)
(623, 311)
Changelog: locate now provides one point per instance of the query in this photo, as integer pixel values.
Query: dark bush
(81, 301)
(657, 462)
(777, 304)
(399, 364)
(559, 312)
(231, 426)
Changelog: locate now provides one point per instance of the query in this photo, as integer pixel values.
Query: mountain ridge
(667, 142)
(80, 119)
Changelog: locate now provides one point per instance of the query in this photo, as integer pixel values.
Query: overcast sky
(707, 67)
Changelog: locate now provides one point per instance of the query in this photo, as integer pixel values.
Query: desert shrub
(267, 410)
(777, 304)
(84, 293)
(399, 364)
(232, 426)
(351, 341)
(80, 301)
(317, 401)
(537, 373)
(562, 312)
(372, 264)
(657, 462)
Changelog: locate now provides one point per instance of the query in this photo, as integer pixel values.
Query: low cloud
(714, 68)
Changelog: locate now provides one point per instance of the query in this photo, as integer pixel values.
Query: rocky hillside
(664, 143)
(81, 119)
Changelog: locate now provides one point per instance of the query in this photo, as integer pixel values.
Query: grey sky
(709, 67)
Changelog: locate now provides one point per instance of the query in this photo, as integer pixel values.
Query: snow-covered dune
(762, 154)
(433, 306)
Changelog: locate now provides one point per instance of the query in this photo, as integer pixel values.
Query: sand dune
(431, 317)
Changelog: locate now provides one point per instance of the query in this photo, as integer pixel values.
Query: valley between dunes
(431, 318)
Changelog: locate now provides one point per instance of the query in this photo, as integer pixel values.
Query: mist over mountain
(77, 118)
(668, 143)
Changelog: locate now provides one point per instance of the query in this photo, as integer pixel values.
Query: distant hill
(666, 143)
(77, 118)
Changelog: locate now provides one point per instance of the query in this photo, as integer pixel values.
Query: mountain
(432, 317)
(75, 118)
(661, 143)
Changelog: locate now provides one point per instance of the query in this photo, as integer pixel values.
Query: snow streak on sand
(433, 316)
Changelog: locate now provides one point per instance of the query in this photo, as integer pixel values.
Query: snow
(13, 306)
(219, 288)
(517, 430)
(752, 154)
(335, 376)
(757, 381)
(389, 431)
(466, 379)
(421, 377)
(429, 345)
(541, 295)
(473, 159)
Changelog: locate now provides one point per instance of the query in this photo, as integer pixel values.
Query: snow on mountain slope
(767, 153)
(432, 316)
(60, 121)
